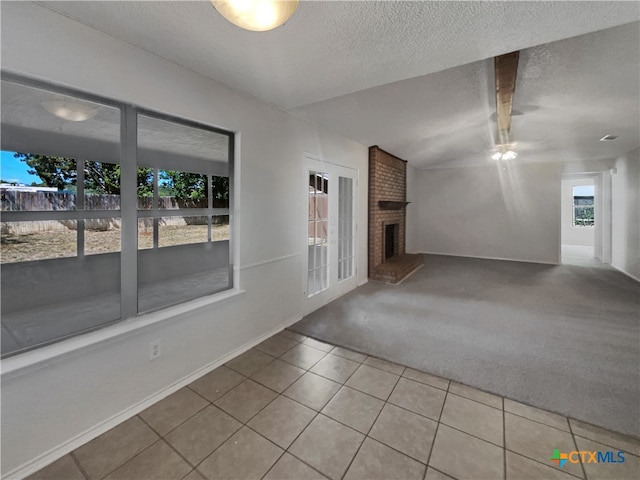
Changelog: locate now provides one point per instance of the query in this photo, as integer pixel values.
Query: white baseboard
(70, 445)
(490, 258)
(628, 274)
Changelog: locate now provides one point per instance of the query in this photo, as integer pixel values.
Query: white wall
(51, 400)
(573, 235)
(412, 210)
(508, 211)
(625, 222)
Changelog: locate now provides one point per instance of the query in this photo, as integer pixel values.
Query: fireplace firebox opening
(390, 240)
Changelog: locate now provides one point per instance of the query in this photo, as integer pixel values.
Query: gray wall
(625, 221)
(509, 211)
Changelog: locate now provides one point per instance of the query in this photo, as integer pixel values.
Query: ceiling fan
(506, 68)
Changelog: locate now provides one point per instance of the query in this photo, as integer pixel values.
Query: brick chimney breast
(388, 184)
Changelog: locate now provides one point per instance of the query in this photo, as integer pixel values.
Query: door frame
(336, 288)
(602, 210)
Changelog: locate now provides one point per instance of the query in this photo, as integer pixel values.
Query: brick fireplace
(388, 260)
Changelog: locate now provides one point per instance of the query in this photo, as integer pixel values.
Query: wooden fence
(24, 201)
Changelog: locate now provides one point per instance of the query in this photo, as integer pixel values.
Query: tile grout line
(457, 429)
(366, 435)
(536, 459)
(80, 467)
(244, 374)
(193, 467)
(297, 365)
(428, 384)
(186, 419)
(396, 450)
(303, 430)
(575, 444)
(632, 439)
(281, 394)
(435, 434)
(536, 421)
(443, 473)
(348, 350)
(243, 424)
(501, 409)
(286, 450)
(134, 457)
(539, 462)
(475, 400)
(566, 417)
(204, 398)
(333, 420)
(160, 438)
(504, 442)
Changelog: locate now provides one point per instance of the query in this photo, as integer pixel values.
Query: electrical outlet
(154, 349)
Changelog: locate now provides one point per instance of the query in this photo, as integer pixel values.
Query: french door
(330, 232)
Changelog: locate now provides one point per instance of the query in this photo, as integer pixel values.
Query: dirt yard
(56, 244)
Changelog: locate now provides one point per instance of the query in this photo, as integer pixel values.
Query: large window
(107, 211)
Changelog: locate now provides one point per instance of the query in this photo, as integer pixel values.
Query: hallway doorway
(578, 217)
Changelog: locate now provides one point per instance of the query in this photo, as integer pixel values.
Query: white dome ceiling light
(68, 110)
(256, 15)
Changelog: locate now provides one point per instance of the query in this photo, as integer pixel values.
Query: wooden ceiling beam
(506, 71)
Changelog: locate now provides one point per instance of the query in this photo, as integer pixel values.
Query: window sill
(25, 362)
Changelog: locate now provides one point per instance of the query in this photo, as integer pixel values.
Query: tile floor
(295, 408)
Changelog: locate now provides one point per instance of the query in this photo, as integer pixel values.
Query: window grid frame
(128, 212)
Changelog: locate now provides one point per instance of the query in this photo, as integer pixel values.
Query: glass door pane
(345, 228)
(318, 263)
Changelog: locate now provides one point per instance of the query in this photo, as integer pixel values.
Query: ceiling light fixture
(508, 155)
(67, 110)
(256, 15)
(608, 138)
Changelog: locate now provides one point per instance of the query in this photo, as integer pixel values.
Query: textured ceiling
(568, 95)
(385, 72)
(330, 48)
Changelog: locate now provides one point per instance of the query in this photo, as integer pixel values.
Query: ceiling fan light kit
(508, 155)
(256, 15)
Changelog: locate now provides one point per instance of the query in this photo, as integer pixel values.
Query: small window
(583, 206)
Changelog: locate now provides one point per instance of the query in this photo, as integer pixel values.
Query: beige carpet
(564, 338)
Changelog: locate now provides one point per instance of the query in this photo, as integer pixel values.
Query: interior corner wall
(50, 405)
(412, 210)
(625, 217)
(574, 235)
(504, 210)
